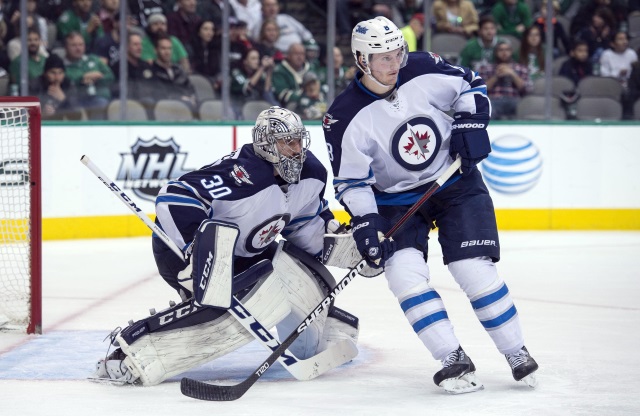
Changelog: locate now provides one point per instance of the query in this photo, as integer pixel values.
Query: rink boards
(541, 176)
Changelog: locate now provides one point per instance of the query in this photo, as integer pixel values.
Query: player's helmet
(279, 125)
(377, 35)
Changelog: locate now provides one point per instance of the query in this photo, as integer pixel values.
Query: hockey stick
(203, 391)
(300, 369)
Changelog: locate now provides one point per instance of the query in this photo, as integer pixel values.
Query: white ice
(576, 292)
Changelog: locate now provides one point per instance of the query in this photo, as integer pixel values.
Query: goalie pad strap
(212, 259)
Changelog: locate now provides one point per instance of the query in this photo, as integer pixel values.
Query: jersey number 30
(215, 190)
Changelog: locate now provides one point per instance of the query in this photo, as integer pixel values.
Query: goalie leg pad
(212, 261)
(186, 335)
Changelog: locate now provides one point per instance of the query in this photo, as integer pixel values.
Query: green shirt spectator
(80, 19)
(35, 63)
(157, 27)
(512, 17)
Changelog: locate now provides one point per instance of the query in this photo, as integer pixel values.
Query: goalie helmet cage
(20, 215)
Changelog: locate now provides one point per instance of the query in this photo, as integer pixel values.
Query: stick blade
(203, 391)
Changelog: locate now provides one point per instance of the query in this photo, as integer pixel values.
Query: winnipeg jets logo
(361, 29)
(418, 143)
(436, 57)
(327, 121)
(265, 233)
(240, 175)
(415, 143)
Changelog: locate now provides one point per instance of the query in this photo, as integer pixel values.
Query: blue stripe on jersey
(428, 320)
(482, 90)
(355, 185)
(491, 298)
(169, 199)
(417, 300)
(495, 322)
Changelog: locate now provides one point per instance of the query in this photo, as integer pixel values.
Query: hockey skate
(458, 374)
(523, 367)
(113, 370)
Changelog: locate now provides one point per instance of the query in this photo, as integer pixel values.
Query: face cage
(289, 167)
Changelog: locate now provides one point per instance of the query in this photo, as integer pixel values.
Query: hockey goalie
(226, 217)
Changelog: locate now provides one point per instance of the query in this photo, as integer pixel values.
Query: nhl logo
(150, 165)
(416, 143)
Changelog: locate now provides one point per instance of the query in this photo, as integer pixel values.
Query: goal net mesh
(15, 223)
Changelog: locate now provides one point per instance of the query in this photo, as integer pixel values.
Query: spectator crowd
(173, 51)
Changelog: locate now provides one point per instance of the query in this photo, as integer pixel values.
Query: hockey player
(226, 217)
(388, 138)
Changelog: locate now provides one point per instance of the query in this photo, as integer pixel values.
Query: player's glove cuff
(469, 139)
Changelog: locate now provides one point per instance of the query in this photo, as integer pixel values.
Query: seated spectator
(633, 91)
(291, 30)
(578, 65)
(239, 41)
(532, 52)
(107, 12)
(14, 43)
(107, 47)
(90, 78)
(156, 28)
(287, 75)
(479, 51)
(584, 15)
(413, 31)
(170, 81)
(183, 22)
(80, 19)
(269, 33)
(506, 82)
(249, 11)
(251, 81)
(616, 62)
(35, 63)
(34, 20)
(598, 35)
(455, 16)
(342, 74)
(139, 75)
(312, 104)
(141, 10)
(312, 54)
(205, 59)
(559, 35)
(52, 89)
(512, 17)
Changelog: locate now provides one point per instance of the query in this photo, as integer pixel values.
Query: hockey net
(20, 215)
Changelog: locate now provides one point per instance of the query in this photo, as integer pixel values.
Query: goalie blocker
(278, 293)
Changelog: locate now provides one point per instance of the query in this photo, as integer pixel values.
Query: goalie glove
(341, 250)
(469, 139)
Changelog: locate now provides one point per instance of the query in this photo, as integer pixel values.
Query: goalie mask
(378, 35)
(280, 138)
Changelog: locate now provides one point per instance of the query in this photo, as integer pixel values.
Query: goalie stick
(204, 391)
(300, 369)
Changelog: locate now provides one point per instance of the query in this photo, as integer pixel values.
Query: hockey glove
(469, 139)
(368, 233)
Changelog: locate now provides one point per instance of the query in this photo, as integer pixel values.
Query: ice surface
(576, 292)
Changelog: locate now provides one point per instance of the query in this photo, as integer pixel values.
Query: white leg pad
(157, 356)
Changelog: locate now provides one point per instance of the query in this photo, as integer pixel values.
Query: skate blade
(531, 380)
(468, 383)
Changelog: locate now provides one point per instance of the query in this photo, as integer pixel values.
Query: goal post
(20, 215)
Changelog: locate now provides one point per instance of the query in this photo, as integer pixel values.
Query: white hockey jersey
(241, 189)
(397, 144)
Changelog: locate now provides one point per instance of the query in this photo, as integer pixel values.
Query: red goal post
(20, 215)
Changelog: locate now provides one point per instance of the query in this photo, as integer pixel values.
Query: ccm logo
(357, 227)
(469, 126)
(471, 243)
